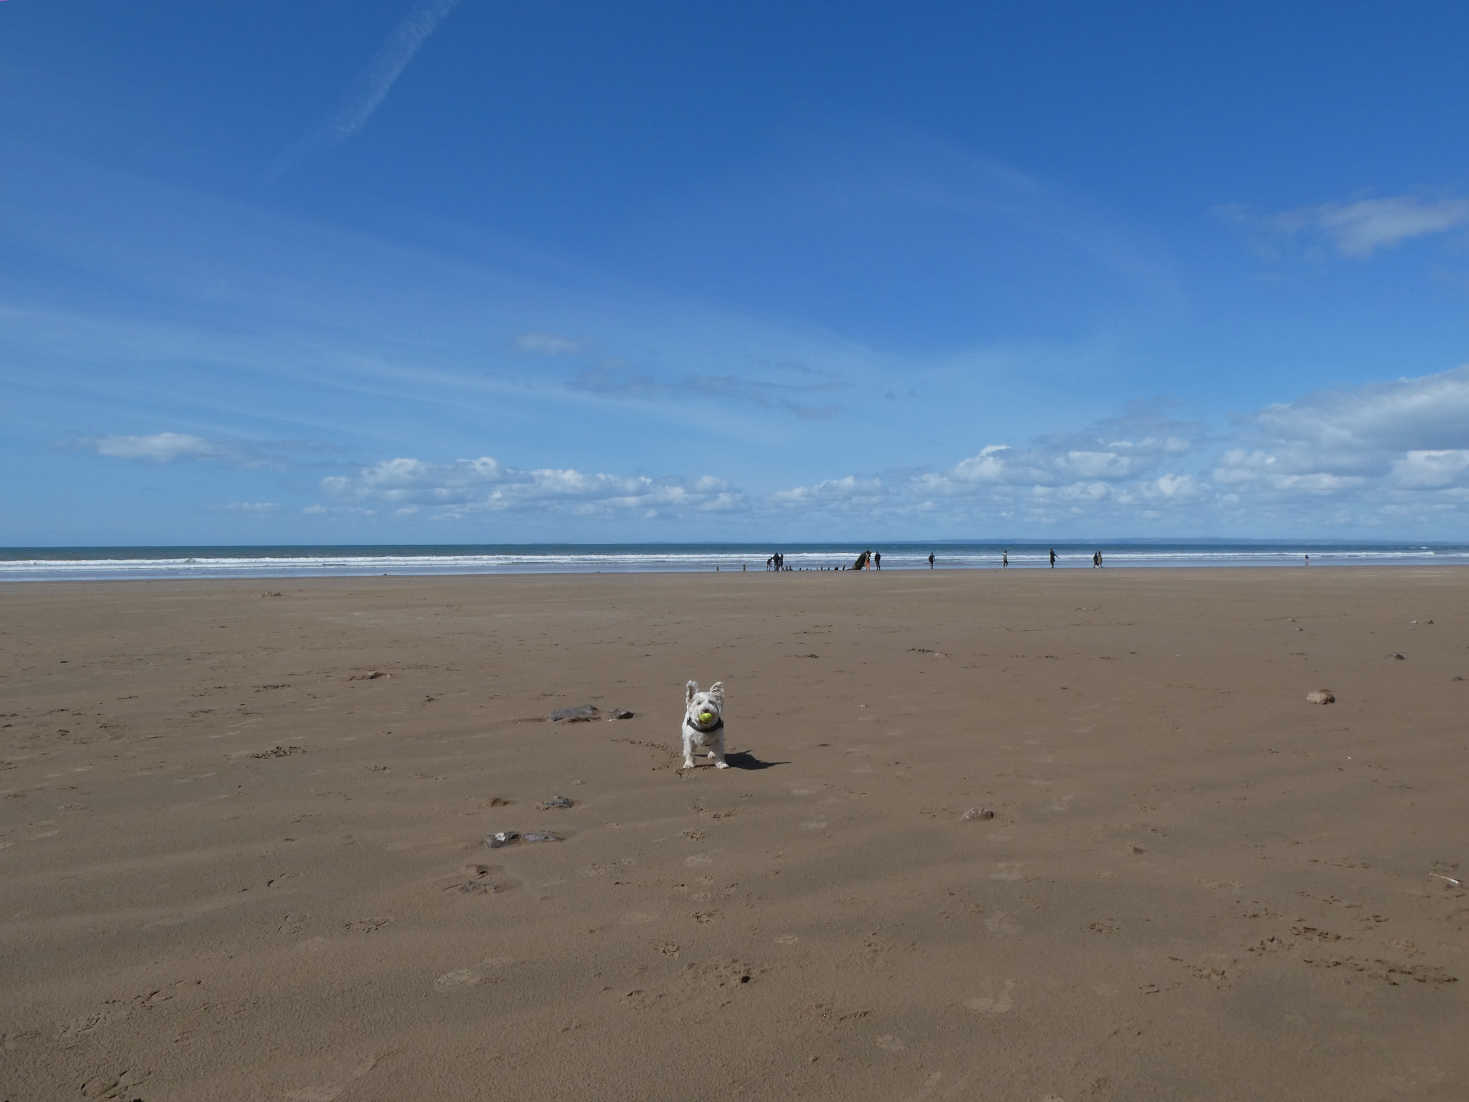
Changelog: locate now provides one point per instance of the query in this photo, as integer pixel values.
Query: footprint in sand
(460, 977)
(468, 977)
(478, 879)
(787, 939)
(1006, 870)
(113, 1086)
(993, 1004)
(330, 1092)
(1001, 923)
(890, 1043)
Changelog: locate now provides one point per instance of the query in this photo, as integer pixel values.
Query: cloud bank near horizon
(1386, 453)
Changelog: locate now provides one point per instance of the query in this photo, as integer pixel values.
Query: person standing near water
(930, 560)
(1004, 558)
(877, 559)
(1053, 558)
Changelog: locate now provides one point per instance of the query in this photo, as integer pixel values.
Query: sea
(52, 564)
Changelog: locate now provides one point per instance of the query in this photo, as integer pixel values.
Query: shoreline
(1108, 569)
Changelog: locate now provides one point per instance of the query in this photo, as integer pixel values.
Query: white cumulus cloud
(465, 486)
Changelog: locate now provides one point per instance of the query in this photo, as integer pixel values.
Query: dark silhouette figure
(1053, 558)
(877, 559)
(930, 560)
(1004, 559)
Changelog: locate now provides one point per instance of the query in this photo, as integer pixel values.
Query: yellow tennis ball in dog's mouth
(706, 717)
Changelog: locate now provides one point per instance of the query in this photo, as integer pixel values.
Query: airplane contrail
(372, 85)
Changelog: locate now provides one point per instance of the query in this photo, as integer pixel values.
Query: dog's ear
(689, 690)
(716, 690)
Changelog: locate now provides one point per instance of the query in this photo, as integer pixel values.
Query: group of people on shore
(872, 560)
(868, 560)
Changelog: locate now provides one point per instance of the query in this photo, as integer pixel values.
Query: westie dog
(703, 723)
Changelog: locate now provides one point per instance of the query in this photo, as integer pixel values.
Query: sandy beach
(242, 838)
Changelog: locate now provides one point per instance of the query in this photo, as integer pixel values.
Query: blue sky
(439, 271)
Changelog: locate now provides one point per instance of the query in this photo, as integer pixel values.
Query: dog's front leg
(718, 753)
(688, 749)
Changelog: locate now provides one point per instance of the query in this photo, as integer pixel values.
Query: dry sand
(233, 866)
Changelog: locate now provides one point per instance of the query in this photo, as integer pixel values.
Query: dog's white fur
(703, 735)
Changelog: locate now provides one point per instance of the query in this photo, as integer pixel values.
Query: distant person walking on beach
(1053, 558)
(1004, 559)
(1096, 559)
(1308, 560)
(930, 560)
(877, 559)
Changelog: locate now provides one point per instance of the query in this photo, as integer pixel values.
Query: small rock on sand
(511, 837)
(977, 813)
(621, 713)
(1321, 696)
(280, 752)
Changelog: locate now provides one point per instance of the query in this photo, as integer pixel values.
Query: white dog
(703, 723)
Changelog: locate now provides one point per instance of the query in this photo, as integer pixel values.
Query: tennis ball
(706, 717)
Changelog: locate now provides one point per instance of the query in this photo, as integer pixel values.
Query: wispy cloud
(256, 508)
(183, 447)
(798, 398)
(1358, 228)
(372, 85)
(161, 447)
(546, 344)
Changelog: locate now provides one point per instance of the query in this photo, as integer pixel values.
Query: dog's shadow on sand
(743, 759)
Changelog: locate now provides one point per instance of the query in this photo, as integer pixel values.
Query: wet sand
(236, 864)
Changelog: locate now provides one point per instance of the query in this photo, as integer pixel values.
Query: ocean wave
(38, 565)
